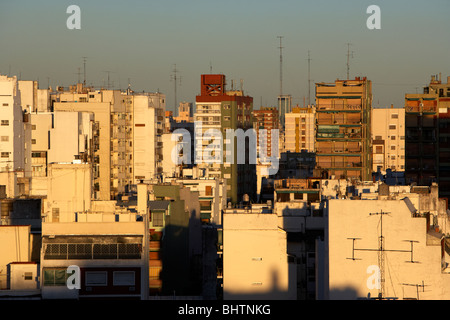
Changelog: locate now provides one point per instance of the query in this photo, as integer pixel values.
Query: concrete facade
(388, 139)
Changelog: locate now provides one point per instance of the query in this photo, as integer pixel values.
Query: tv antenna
(349, 53)
(309, 78)
(84, 70)
(417, 287)
(381, 252)
(174, 78)
(108, 85)
(281, 65)
(79, 74)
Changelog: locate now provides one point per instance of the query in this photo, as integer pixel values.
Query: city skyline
(140, 43)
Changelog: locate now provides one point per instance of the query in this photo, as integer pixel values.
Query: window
(392, 127)
(158, 219)
(55, 276)
(33, 127)
(5, 154)
(123, 278)
(5, 138)
(378, 138)
(33, 141)
(394, 116)
(96, 278)
(5, 123)
(392, 147)
(392, 137)
(55, 214)
(28, 275)
(5, 104)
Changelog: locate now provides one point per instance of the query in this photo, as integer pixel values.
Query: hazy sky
(141, 40)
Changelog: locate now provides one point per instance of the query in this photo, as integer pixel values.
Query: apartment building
(221, 110)
(343, 128)
(300, 130)
(15, 139)
(256, 263)
(387, 248)
(127, 139)
(427, 117)
(185, 112)
(110, 256)
(284, 107)
(266, 118)
(388, 139)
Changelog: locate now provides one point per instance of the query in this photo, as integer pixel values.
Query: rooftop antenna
(381, 252)
(174, 78)
(79, 74)
(348, 60)
(210, 67)
(281, 65)
(84, 70)
(108, 82)
(309, 79)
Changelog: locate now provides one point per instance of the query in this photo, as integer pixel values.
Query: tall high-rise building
(266, 118)
(427, 120)
(222, 110)
(343, 141)
(300, 129)
(388, 139)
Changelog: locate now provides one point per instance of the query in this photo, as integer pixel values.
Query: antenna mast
(84, 70)
(381, 252)
(348, 60)
(174, 78)
(281, 65)
(309, 79)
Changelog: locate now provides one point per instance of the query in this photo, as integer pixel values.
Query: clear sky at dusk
(141, 40)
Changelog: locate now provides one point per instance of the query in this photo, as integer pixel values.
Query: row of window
(59, 276)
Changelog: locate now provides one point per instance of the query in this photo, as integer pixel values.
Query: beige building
(127, 141)
(110, 256)
(300, 129)
(411, 259)
(15, 246)
(255, 260)
(69, 191)
(15, 139)
(185, 112)
(388, 139)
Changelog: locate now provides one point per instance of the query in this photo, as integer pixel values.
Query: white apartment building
(59, 137)
(15, 150)
(148, 119)
(388, 136)
(255, 258)
(300, 130)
